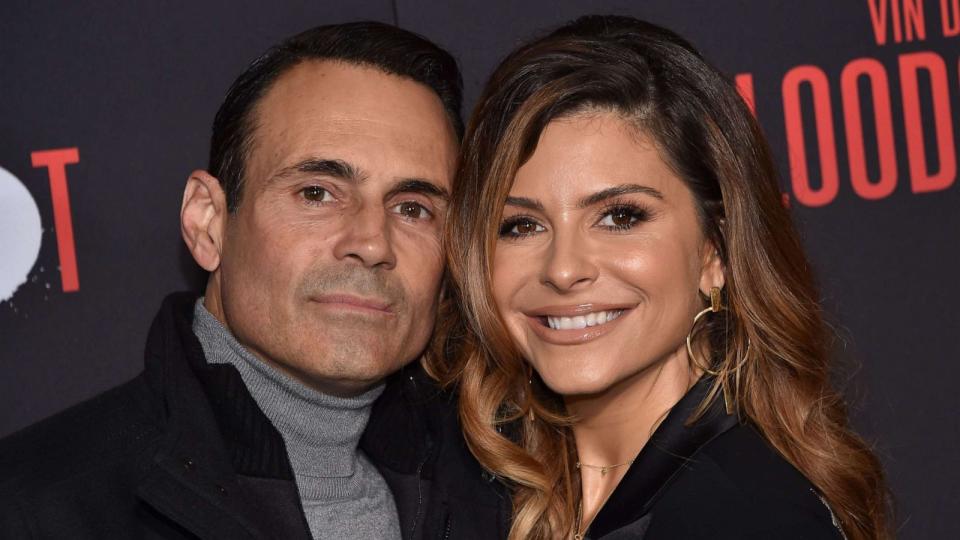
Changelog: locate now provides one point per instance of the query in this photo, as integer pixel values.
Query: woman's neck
(613, 426)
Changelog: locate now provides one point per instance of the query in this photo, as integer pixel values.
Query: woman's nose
(567, 266)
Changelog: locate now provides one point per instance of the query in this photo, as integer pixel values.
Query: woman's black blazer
(716, 479)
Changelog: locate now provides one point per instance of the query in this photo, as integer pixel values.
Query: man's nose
(367, 239)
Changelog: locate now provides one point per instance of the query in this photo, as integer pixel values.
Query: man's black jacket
(182, 451)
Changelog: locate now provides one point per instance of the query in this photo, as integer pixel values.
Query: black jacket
(716, 479)
(183, 451)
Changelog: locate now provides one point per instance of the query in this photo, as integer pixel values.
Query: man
(319, 221)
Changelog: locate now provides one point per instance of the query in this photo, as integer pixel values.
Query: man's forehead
(348, 97)
(354, 113)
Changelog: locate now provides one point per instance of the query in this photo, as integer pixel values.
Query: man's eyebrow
(616, 191)
(334, 168)
(523, 202)
(419, 185)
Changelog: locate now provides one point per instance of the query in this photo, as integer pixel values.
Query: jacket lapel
(672, 444)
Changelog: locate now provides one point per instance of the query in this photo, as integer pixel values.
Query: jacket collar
(664, 455)
(191, 474)
(401, 432)
(214, 431)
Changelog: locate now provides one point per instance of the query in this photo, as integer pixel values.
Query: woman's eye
(517, 228)
(316, 194)
(412, 210)
(621, 217)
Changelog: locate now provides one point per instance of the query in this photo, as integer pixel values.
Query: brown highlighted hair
(780, 383)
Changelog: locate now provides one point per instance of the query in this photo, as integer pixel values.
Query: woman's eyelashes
(622, 216)
(616, 217)
(520, 227)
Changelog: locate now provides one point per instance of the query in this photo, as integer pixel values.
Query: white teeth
(595, 318)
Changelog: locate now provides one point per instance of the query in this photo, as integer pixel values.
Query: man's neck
(341, 492)
(321, 431)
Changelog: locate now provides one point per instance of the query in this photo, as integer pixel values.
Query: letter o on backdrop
(20, 234)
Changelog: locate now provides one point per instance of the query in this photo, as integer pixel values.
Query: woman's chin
(572, 385)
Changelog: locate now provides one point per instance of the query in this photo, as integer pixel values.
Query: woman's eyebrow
(616, 191)
(523, 202)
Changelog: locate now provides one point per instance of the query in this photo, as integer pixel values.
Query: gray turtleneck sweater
(342, 494)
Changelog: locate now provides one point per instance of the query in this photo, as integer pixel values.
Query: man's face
(331, 265)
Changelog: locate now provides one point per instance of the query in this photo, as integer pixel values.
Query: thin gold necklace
(579, 532)
(604, 469)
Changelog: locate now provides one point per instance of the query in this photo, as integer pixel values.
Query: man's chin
(348, 382)
(349, 368)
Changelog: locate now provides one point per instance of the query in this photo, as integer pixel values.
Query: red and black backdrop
(106, 107)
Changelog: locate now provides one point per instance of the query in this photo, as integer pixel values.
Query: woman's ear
(203, 217)
(711, 269)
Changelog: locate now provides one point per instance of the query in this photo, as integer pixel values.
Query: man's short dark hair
(372, 44)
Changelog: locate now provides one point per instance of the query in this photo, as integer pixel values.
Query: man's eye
(412, 210)
(316, 194)
(520, 227)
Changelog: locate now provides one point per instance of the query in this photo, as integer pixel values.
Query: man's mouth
(349, 301)
(594, 318)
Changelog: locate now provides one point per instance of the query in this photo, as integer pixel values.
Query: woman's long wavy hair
(769, 351)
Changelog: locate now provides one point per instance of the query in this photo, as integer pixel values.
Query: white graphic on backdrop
(20, 232)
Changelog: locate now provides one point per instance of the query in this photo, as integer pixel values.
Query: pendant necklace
(604, 469)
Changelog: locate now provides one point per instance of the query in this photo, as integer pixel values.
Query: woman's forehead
(582, 154)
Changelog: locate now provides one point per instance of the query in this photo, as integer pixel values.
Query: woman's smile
(594, 318)
(574, 324)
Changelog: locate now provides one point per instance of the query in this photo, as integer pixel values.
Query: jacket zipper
(423, 462)
(447, 527)
(416, 520)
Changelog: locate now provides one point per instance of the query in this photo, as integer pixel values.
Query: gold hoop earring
(715, 307)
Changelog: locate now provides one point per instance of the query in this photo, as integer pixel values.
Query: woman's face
(600, 257)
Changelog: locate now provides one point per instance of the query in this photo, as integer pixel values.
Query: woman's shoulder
(738, 485)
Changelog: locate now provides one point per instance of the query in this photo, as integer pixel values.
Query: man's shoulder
(101, 434)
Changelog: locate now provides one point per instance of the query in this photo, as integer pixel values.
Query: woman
(641, 349)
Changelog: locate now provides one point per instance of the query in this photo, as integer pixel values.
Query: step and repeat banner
(106, 107)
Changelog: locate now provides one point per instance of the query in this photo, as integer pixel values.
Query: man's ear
(711, 269)
(203, 217)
